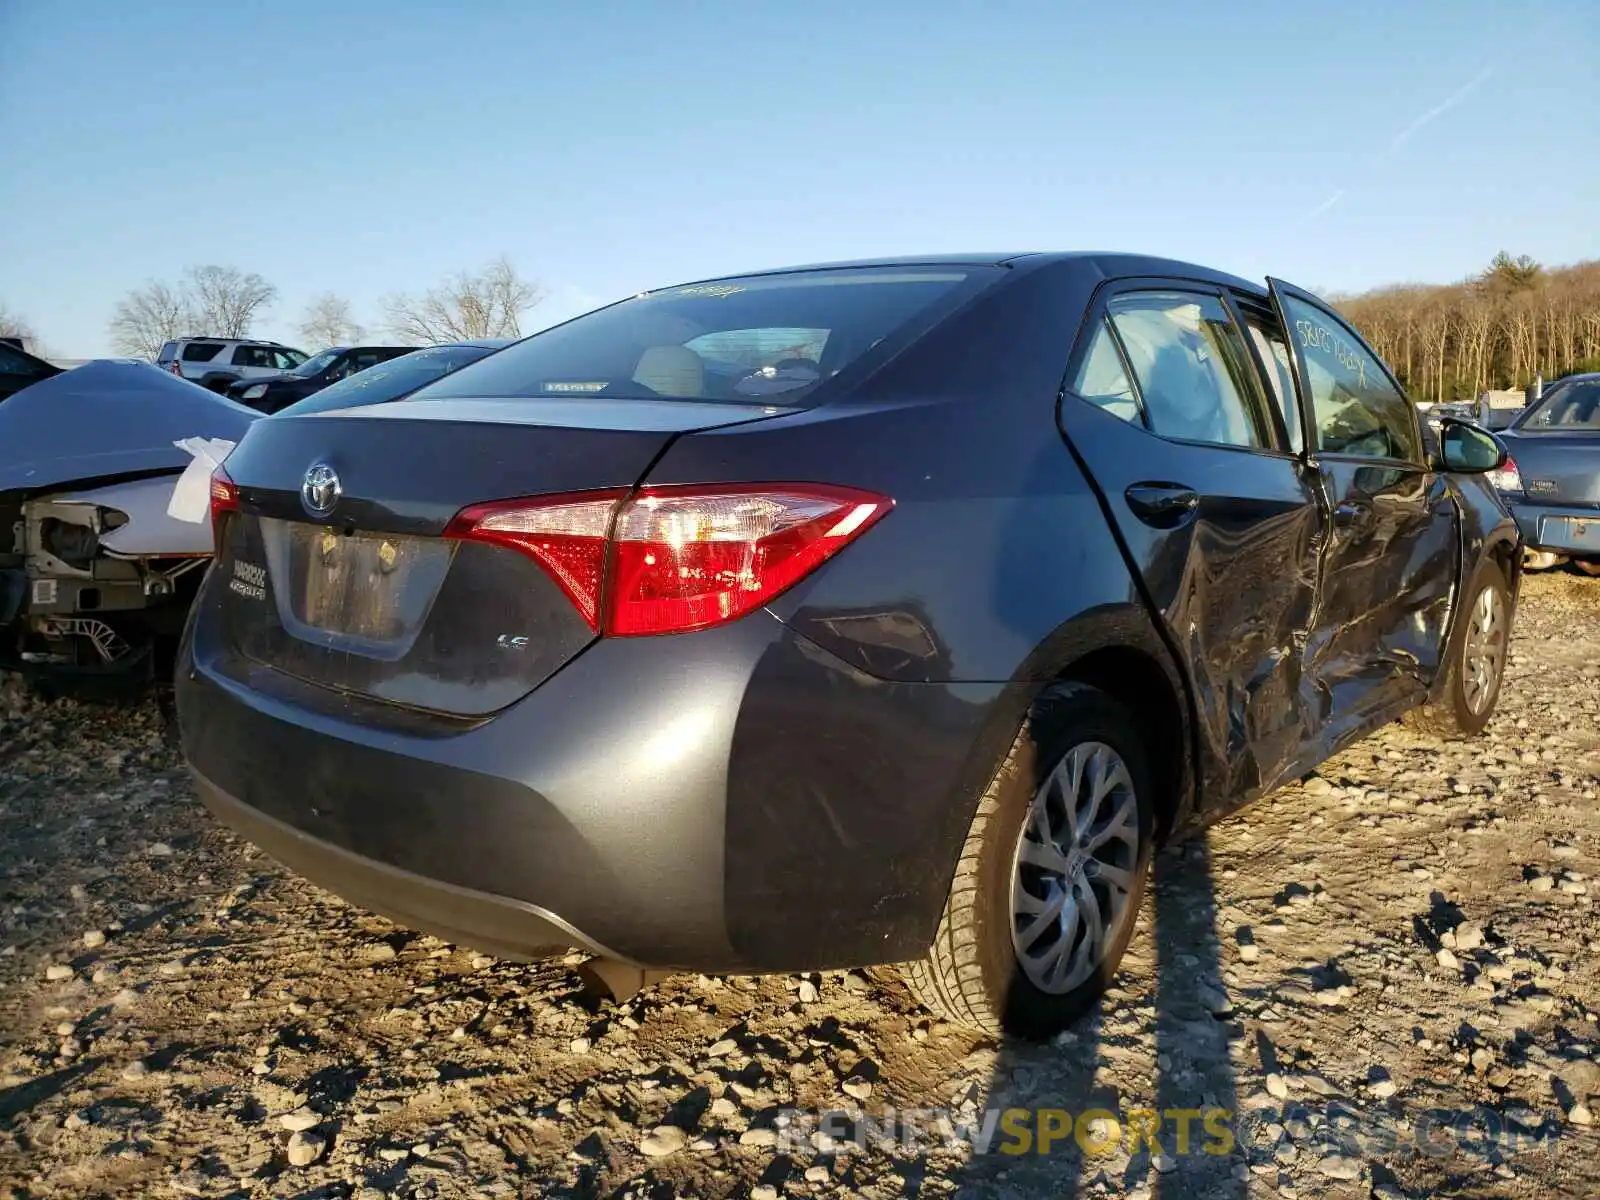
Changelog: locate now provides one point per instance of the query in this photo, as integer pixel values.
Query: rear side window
(201, 351)
(752, 340)
(1358, 411)
(256, 356)
(390, 380)
(1103, 380)
(1194, 373)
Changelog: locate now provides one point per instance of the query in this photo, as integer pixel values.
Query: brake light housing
(224, 495)
(676, 559)
(1507, 478)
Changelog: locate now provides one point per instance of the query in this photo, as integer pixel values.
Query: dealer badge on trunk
(321, 490)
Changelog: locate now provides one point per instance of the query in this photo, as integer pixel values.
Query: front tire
(1051, 876)
(1475, 661)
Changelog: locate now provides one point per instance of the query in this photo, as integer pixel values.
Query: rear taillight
(1507, 478)
(566, 535)
(224, 495)
(670, 560)
(176, 368)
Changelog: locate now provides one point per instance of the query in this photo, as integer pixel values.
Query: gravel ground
(1388, 972)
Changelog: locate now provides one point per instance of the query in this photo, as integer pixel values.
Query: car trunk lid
(336, 568)
(1558, 468)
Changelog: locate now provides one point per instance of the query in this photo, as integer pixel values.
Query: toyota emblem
(321, 490)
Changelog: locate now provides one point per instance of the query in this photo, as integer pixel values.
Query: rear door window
(201, 352)
(1195, 376)
(253, 356)
(168, 353)
(758, 339)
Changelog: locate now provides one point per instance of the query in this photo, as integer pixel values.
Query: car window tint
(1358, 410)
(1102, 379)
(1570, 406)
(201, 351)
(168, 352)
(253, 356)
(1273, 350)
(12, 363)
(392, 379)
(1192, 366)
(742, 340)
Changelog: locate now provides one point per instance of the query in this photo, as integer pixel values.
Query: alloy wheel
(1485, 654)
(1073, 869)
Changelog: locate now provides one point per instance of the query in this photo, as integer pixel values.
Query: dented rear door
(1224, 534)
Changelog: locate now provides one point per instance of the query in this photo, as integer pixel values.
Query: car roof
(1110, 263)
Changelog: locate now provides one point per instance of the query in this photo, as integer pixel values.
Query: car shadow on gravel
(1061, 1130)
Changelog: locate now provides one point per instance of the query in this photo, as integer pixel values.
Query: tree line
(1497, 329)
(1514, 320)
(223, 301)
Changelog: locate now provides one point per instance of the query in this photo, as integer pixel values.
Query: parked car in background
(317, 372)
(1551, 482)
(398, 376)
(96, 575)
(19, 369)
(216, 363)
(884, 612)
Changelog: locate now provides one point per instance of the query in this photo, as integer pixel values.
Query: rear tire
(1063, 836)
(1475, 661)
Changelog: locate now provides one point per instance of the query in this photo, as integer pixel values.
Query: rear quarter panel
(930, 636)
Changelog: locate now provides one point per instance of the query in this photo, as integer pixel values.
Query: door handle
(1162, 504)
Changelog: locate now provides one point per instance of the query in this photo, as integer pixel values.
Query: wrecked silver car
(104, 526)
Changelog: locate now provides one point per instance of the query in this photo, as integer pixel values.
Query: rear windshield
(1573, 405)
(737, 340)
(316, 364)
(390, 380)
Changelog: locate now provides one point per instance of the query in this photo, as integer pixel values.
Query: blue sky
(608, 147)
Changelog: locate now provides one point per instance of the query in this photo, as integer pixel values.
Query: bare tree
(225, 299)
(327, 322)
(13, 325)
(148, 317)
(489, 303)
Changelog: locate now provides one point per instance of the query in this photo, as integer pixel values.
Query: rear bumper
(731, 800)
(1544, 527)
(504, 927)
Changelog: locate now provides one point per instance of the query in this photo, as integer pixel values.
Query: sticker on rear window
(582, 387)
(249, 580)
(718, 290)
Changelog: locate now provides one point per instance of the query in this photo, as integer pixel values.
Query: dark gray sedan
(1551, 482)
(884, 612)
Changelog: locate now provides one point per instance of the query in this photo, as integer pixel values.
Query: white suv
(216, 362)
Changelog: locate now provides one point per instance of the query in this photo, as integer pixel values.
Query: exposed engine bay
(96, 571)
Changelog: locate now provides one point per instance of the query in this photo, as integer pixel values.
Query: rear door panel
(1226, 543)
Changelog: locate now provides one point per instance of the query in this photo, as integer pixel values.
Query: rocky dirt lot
(1388, 972)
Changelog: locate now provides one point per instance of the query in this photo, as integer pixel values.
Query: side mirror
(1469, 449)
